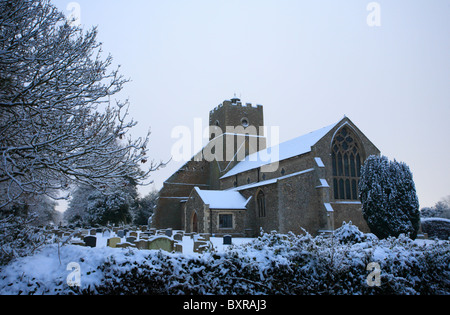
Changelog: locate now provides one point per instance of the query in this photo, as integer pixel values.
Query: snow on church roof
(286, 150)
(223, 199)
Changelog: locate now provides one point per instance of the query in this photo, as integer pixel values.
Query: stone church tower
(236, 130)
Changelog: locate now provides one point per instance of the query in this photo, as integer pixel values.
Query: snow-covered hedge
(271, 264)
(438, 228)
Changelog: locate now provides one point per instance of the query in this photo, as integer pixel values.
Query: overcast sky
(308, 62)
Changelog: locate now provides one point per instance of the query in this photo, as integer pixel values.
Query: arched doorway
(195, 223)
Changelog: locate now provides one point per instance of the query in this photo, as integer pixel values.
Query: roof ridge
(285, 151)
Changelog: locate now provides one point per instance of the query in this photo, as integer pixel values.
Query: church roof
(286, 150)
(223, 199)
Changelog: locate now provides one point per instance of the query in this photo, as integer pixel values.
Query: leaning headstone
(90, 241)
(112, 242)
(161, 242)
(227, 240)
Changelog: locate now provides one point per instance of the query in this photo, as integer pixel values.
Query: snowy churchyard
(348, 262)
(67, 134)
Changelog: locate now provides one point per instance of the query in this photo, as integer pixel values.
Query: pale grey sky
(308, 62)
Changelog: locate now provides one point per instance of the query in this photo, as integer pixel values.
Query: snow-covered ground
(51, 265)
(271, 264)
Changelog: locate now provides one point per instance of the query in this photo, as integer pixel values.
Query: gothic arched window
(261, 202)
(346, 158)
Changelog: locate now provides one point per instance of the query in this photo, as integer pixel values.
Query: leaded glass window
(346, 160)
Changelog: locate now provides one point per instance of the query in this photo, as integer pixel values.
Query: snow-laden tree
(440, 210)
(89, 206)
(388, 196)
(145, 208)
(58, 125)
(78, 204)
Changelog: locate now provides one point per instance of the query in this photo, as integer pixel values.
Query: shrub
(388, 196)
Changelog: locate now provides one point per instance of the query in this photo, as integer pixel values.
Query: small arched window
(346, 158)
(261, 203)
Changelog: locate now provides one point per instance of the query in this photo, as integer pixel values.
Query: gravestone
(90, 241)
(161, 242)
(206, 236)
(93, 232)
(178, 237)
(200, 246)
(144, 236)
(77, 242)
(134, 234)
(112, 242)
(141, 244)
(125, 245)
(106, 233)
(178, 248)
(120, 233)
(227, 240)
(168, 232)
(130, 239)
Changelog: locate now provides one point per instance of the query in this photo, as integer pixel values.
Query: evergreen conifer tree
(389, 200)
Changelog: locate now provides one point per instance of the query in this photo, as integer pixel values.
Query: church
(238, 186)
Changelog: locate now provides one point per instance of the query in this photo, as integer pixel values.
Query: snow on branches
(57, 123)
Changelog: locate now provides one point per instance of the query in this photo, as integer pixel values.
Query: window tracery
(346, 158)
